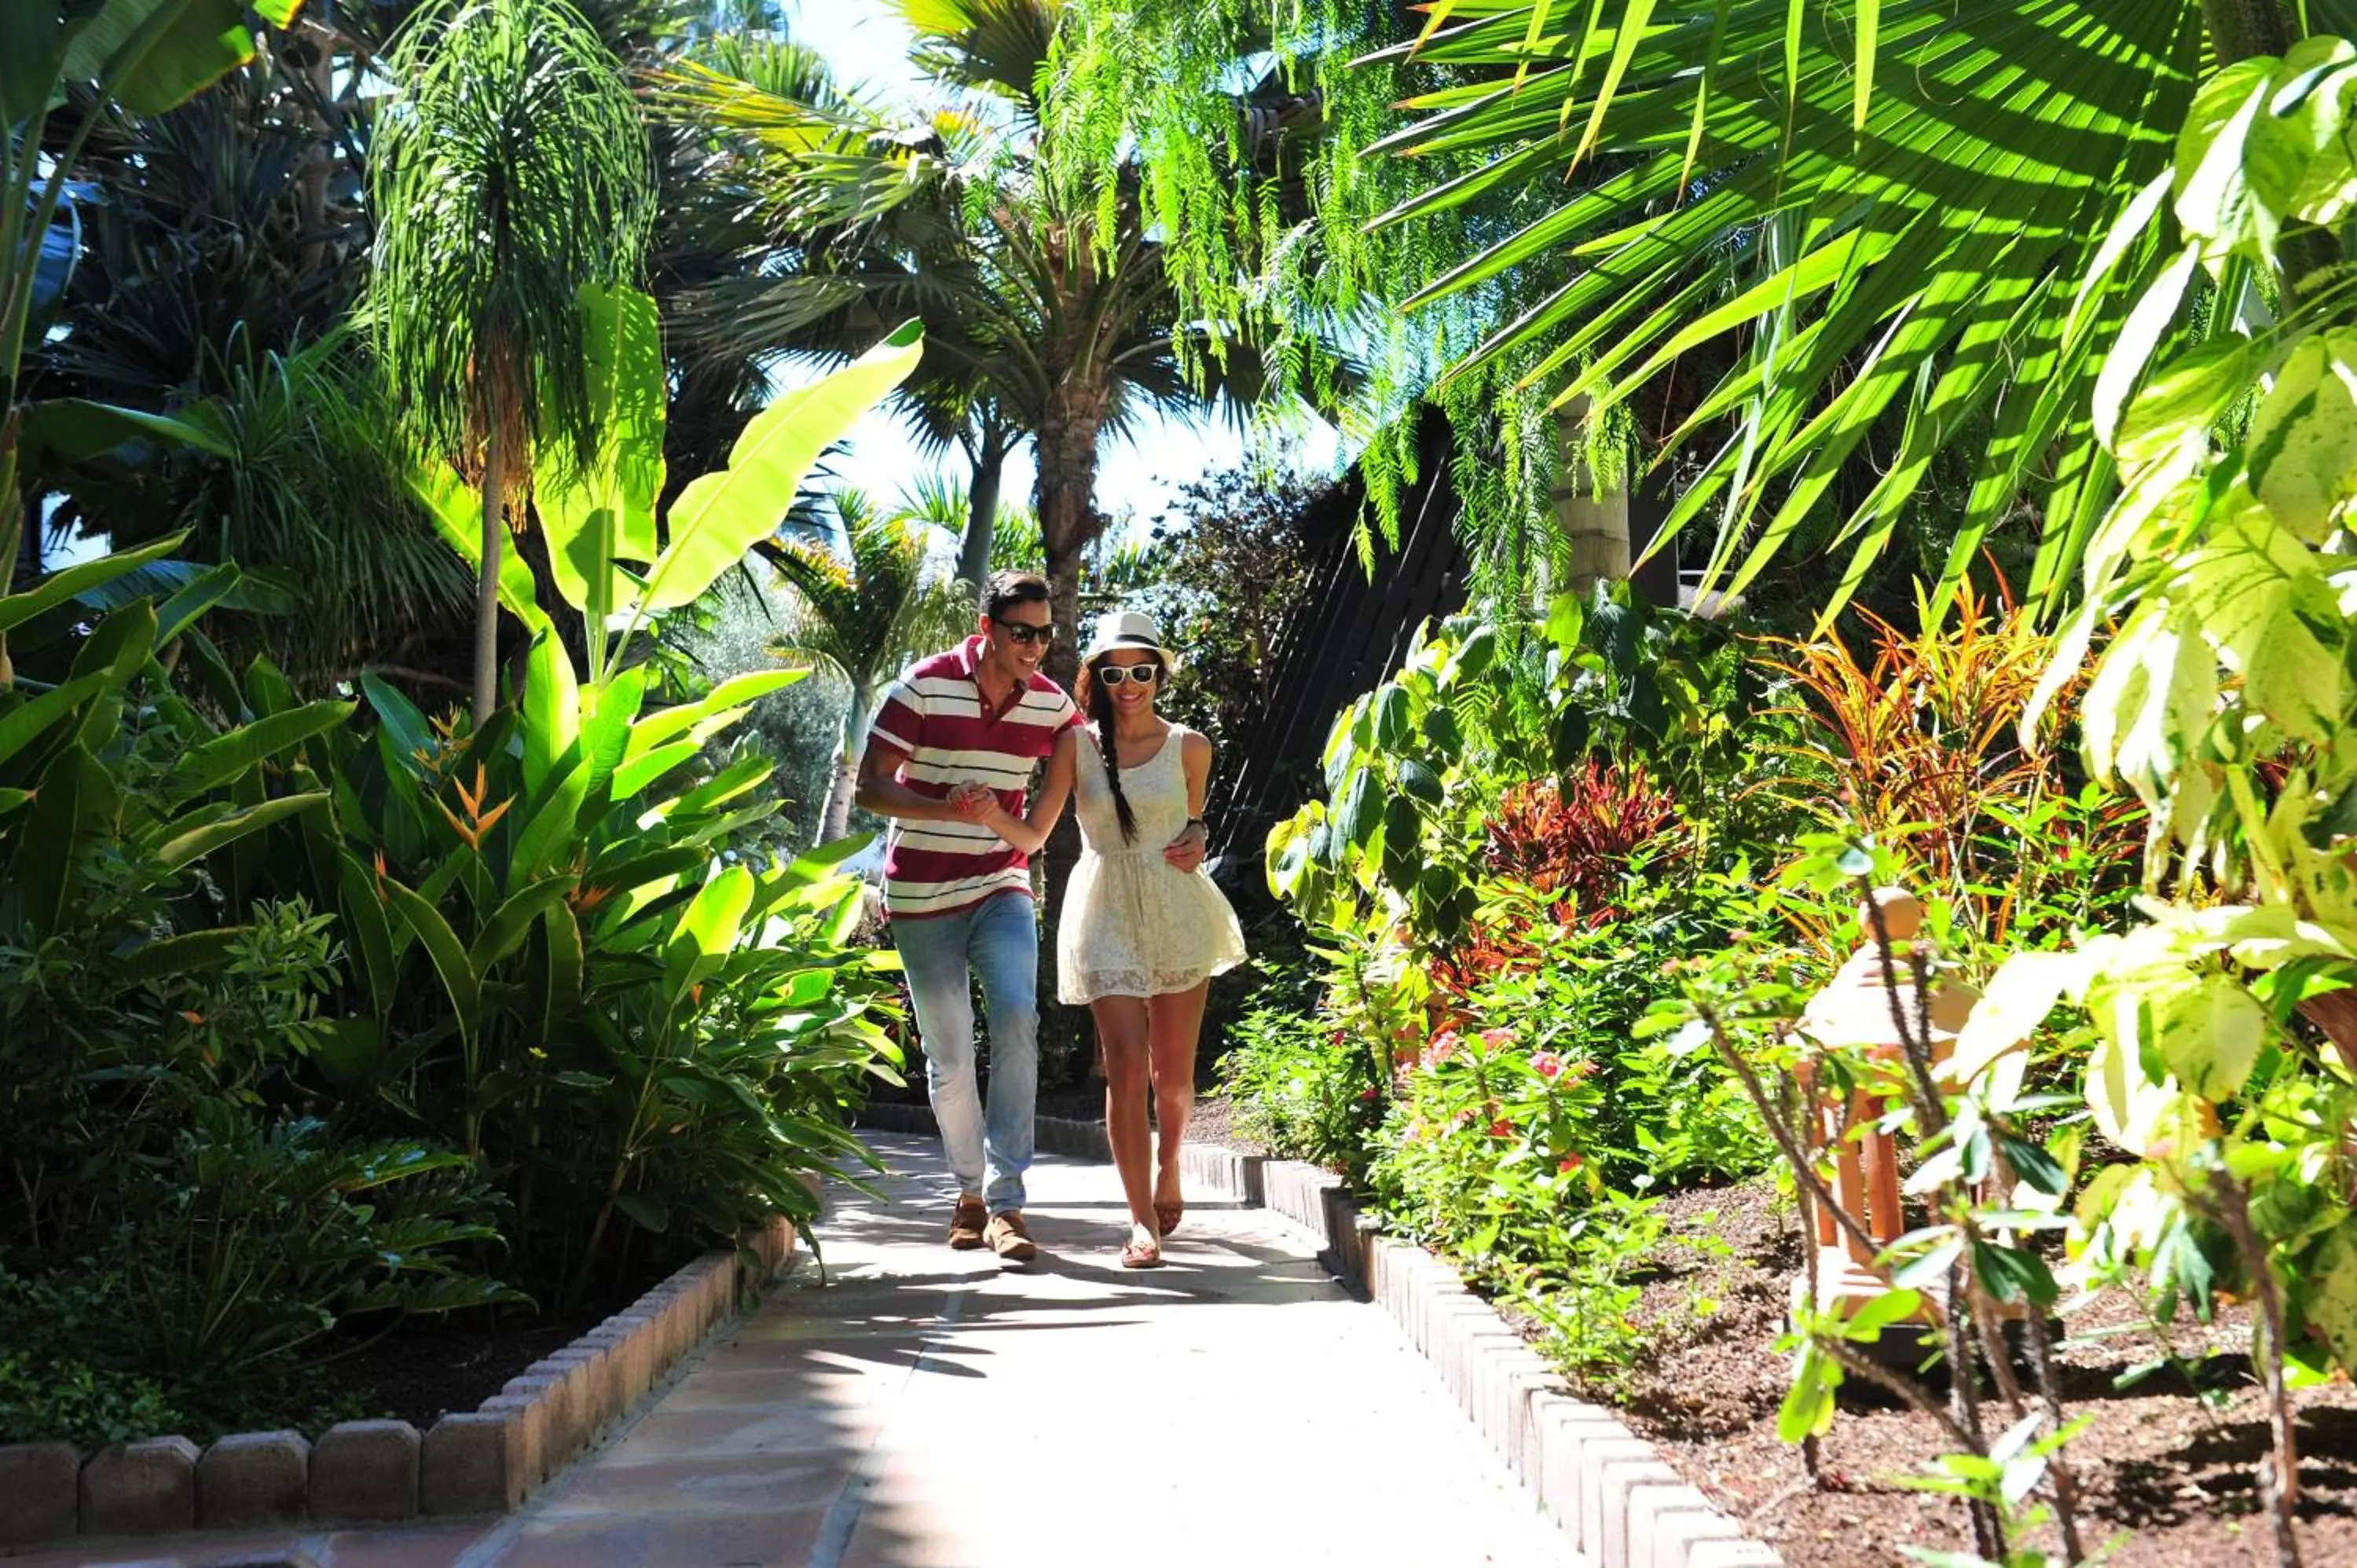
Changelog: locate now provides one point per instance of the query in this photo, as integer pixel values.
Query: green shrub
(1301, 1089)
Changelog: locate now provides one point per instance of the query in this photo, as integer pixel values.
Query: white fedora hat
(1127, 628)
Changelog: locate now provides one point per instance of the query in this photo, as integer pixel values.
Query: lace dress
(1135, 925)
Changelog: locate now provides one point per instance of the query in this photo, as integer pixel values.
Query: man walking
(955, 731)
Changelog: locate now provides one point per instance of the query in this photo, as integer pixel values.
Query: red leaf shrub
(1568, 841)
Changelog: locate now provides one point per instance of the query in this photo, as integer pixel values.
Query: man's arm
(1186, 850)
(881, 792)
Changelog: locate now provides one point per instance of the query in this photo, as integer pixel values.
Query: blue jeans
(998, 938)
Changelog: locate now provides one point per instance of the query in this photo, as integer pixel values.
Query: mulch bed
(2166, 1462)
(424, 1371)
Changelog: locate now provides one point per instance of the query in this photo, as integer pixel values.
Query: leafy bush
(1302, 1090)
(50, 1388)
(307, 1014)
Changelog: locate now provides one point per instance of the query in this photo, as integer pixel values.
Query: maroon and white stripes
(934, 716)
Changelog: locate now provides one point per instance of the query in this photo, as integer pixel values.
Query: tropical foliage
(1048, 309)
(511, 176)
(325, 1013)
(867, 618)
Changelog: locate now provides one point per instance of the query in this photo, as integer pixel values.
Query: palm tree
(1902, 216)
(865, 617)
(511, 175)
(1049, 313)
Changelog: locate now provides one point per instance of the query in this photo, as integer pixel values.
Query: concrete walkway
(931, 1408)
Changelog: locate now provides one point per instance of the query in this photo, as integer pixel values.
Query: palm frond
(1898, 250)
(866, 610)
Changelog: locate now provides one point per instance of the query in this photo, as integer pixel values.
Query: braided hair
(1099, 704)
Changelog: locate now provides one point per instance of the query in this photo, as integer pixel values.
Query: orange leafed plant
(1924, 747)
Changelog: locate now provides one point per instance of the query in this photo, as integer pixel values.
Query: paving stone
(1615, 1472)
(537, 1454)
(561, 1424)
(1524, 1381)
(1561, 1427)
(365, 1472)
(472, 1462)
(1489, 1349)
(629, 1339)
(1733, 1554)
(254, 1478)
(140, 1488)
(877, 1387)
(592, 1381)
(1669, 1526)
(38, 1487)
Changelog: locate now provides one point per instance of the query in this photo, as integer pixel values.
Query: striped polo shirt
(934, 714)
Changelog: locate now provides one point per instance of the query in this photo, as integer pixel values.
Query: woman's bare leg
(1174, 1027)
(1122, 1034)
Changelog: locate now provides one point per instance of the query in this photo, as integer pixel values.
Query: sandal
(1167, 1215)
(1138, 1254)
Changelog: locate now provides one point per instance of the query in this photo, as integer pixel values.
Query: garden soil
(423, 1370)
(2168, 1465)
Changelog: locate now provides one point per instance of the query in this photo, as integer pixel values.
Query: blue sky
(867, 44)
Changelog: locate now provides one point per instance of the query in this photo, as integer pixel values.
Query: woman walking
(1144, 929)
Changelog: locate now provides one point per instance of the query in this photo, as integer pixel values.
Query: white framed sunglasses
(1118, 674)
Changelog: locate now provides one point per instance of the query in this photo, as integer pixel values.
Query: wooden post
(1853, 1013)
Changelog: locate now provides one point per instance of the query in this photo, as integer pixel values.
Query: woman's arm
(1030, 833)
(1186, 850)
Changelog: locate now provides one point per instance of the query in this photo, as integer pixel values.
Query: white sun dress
(1134, 924)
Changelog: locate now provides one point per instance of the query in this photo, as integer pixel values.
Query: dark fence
(1352, 633)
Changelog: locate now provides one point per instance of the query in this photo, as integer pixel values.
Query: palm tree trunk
(1066, 445)
(1595, 521)
(1066, 442)
(2245, 30)
(2242, 28)
(835, 820)
(982, 510)
(487, 581)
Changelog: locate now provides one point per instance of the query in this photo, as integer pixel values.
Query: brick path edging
(484, 1461)
(1616, 1499)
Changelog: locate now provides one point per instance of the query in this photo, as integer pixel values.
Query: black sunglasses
(1025, 633)
(1117, 674)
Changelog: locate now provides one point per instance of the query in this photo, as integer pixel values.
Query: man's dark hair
(1010, 589)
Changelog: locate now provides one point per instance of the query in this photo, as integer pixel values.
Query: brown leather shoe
(967, 1224)
(1011, 1237)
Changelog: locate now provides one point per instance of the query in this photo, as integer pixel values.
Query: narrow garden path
(929, 1409)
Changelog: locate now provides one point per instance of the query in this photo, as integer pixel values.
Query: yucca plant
(510, 173)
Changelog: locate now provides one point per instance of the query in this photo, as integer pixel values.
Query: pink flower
(1496, 1039)
(1546, 1064)
(1502, 1128)
(1442, 1045)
